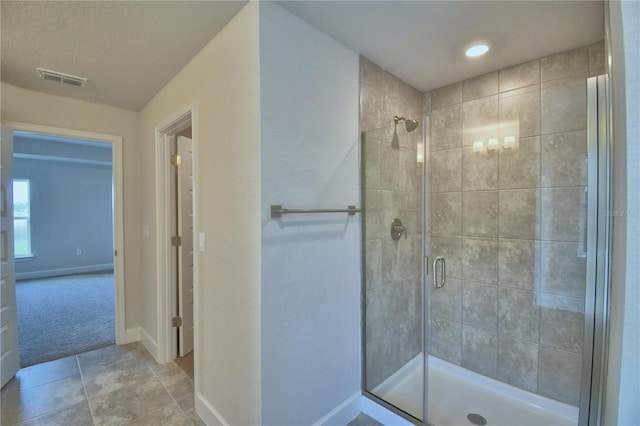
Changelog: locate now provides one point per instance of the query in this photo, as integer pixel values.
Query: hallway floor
(111, 385)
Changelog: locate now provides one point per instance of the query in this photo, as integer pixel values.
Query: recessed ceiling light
(477, 49)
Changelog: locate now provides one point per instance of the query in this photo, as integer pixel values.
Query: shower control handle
(397, 229)
(443, 272)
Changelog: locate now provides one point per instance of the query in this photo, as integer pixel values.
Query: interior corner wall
(224, 80)
(27, 106)
(311, 283)
(623, 378)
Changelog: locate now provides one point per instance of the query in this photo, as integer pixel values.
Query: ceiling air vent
(61, 77)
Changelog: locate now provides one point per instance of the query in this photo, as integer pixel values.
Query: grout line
(84, 388)
(184, 414)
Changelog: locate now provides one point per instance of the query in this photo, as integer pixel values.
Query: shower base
(455, 393)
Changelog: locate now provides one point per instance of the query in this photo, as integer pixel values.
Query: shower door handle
(443, 272)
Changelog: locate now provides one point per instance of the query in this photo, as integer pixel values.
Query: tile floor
(115, 385)
(186, 363)
(364, 420)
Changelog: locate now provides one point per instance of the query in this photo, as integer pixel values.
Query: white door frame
(166, 294)
(118, 206)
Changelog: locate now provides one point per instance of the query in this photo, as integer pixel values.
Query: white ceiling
(422, 42)
(130, 49)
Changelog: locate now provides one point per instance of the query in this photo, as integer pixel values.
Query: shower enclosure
(484, 240)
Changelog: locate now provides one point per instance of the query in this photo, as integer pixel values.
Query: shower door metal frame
(363, 284)
(594, 359)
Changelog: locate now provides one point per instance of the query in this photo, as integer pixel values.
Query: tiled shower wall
(393, 189)
(511, 222)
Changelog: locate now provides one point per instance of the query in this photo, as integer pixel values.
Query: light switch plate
(201, 242)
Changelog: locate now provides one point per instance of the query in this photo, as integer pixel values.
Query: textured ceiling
(130, 49)
(422, 41)
(127, 49)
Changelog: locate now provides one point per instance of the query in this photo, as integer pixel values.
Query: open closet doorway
(67, 231)
(182, 220)
(178, 237)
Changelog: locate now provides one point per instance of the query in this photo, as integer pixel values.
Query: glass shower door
(508, 186)
(392, 246)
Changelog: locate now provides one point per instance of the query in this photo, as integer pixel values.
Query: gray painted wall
(310, 263)
(623, 380)
(71, 208)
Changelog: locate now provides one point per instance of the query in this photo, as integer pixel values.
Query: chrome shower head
(409, 123)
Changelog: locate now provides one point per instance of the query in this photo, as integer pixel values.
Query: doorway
(63, 245)
(182, 221)
(115, 210)
(176, 155)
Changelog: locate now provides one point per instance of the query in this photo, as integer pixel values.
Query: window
(21, 218)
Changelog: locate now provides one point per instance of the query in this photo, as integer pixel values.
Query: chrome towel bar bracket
(278, 210)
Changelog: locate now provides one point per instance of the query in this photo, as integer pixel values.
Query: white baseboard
(207, 412)
(343, 413)
(149, 343)
(132, 335)
(381, 414)
(49, 273)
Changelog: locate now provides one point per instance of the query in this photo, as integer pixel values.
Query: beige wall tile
(564, 159)
(446, 340)
(390, 166)
(446, 170)
(520, 165)
(518, 314)
(479, 122)
(520, 76)
(480, 260)
(446, 129)
(519, 264)
(371, 154)
(446, 210)
(446, 302)
(563, 269)
(566, 311)
(518, 363)
(480, 213)
(564, 214)
(519, 214)
(565, 64)
(447, 96)
(564, 107)
(480, 87)
(521, 112)
(370, 73)
(370, 107)
(426, 104)
(559, 375)
(449, 247)
(479, 350)
(480, 306)
(479, 169)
